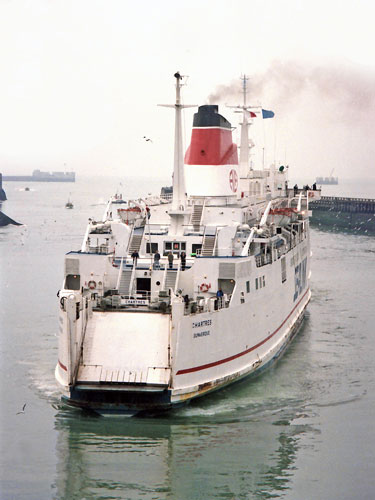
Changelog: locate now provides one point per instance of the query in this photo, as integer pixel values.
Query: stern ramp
(125, 348)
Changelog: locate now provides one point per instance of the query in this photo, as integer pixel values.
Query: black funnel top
(208, 116)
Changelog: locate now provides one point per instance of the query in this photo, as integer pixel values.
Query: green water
(302, 430)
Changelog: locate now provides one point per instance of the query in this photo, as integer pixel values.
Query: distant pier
(340, 204)
(354, 215)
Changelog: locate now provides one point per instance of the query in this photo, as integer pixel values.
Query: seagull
(147, 139)
(23, 410)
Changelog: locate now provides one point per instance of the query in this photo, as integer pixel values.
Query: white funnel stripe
(211, 180)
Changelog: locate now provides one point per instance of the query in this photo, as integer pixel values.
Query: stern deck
(129, 348)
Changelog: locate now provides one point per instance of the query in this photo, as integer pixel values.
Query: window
(195, 247)
(72, 282)
(283, 270)
(151, 247)
(247, 286)
(175, 246)
(264, 280)
(256, 283)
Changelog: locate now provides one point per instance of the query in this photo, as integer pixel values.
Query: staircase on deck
(170, 279)
(125, 281)
(196, 217)
(126, 278)
(136, 240)
(209, 241)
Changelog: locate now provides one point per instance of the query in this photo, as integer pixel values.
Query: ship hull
(131, 400)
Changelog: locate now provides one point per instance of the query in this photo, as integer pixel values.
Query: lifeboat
(133, 215)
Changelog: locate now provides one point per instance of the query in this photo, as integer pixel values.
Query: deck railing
(162, 301)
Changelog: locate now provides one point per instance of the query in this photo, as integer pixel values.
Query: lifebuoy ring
(92, 285)
(205, 287)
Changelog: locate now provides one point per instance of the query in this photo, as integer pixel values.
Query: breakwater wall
(348, 215)
(341, 204)
(3, 196)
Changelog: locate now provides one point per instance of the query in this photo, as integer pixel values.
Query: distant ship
(39, 176)
(69, 204)
(327, 180)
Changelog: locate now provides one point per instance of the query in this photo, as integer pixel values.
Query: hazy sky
(80, 81)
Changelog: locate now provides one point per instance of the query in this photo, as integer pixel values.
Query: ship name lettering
(201, 334)
(205, 322)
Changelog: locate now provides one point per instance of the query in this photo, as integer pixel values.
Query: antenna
(244, 79)
(247, 117)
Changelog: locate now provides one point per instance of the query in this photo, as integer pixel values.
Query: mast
(244, 145)
(179, 189)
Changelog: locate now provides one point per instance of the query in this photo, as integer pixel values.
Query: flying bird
(147, 139)
(23, 410)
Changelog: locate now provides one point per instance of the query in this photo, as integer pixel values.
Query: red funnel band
(211, 146)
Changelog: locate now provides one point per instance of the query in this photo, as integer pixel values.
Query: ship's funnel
(211, 161)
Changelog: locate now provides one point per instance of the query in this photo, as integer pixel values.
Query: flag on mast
(267, 114)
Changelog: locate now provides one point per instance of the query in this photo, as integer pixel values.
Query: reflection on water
(230, 445)
(170, 460)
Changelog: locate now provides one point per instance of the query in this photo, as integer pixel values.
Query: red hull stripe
(235, 356)
(62, 366)
(211, 146)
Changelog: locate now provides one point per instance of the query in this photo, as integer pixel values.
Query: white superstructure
(139, 332)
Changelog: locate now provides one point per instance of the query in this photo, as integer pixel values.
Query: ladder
(126, 281)
(136, 240)
(196, 217)
(208, 246)
(170, 279)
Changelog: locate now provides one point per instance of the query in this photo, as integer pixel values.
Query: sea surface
(303, 430)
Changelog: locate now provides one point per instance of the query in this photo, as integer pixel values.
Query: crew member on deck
(219, 296)
(156, 260)
(170, 260)
(135, 256)
(186, 300)
(183, 261)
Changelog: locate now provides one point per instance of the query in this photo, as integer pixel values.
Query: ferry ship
(172, 297)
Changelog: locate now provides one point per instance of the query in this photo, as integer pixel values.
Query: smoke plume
(324, 113)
